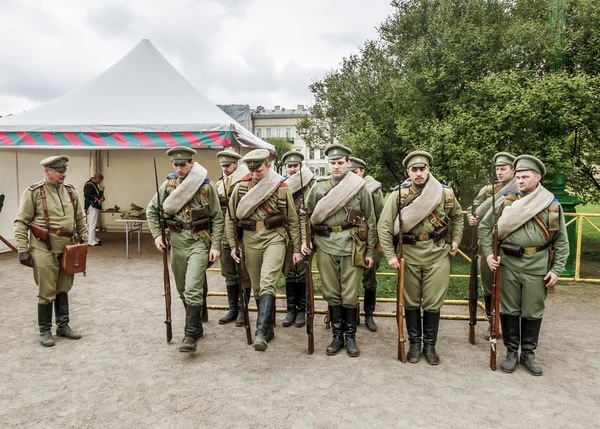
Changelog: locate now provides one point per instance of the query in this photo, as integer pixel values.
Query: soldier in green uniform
(233, 172)
(343, 224)
(357, 166)
(432, 227)
(190, 203)
(298, 179)
(263, 207)
(53, 205)
(505, 173)
(534, 248)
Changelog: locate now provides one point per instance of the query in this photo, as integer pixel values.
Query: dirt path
(124, 374)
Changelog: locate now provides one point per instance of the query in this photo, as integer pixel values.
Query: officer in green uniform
(357, 166)
(53, 205)
(534, 248)
(299, 179)
(343, 225)
(190, 203)
(432, 227)
(233, 172)
(263, 207)
(505, 174)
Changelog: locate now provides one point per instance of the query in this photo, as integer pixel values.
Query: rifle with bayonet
(310, 292)
(495, 310)
(166, 279)
(473, 282)
(240, 273)
(400, 288)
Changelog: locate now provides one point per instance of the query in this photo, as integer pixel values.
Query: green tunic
(339, 276)
(370, 274)
(62, 215)
(522, 287)
(189, 250)
(297, 273)
(427, 262)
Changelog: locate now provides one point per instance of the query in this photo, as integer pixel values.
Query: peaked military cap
(255, 158)
(417, 158)
(181, 154)
(58, 163)
(337, 151)
(356, 163)
(226, 157)
(504, 158)
(529, 162)
(292, 158)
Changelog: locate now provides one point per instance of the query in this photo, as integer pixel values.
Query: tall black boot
(369, 306)
(45, 324)
(290, 299)
(300, 294)
(530, 333)
(192, 328)
(351, 319)
(511, 333)
(61, 306)
(415, 333)
(431, 323)
(264, 322)
(232, 298)
(336, 316)
(487, 300)
(241, 317)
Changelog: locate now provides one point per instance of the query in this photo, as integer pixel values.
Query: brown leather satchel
(74, 258)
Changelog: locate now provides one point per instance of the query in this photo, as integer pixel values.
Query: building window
(277, 132)
(321, 171)
(322, 154)
(311, 154)
(268, 133)
(288, 133)
(298, 149)
(258, 133)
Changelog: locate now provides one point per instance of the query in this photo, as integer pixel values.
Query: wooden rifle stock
(10, 246)
(166, 279)
(400, 290)
(310, 295)
(473, 284)
(495, 310)
(204, 296)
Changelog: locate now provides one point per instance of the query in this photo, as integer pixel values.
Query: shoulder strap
(45, 207)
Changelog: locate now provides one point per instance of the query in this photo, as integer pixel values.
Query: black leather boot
(192, 328)
(290, 299)
(369, 306)
(530, 333)
(61, 306)
(337, 328)
(487, 300)
(233, 292)
(511, 333)
(351, 319)
(241, 317)
(264, 322)
(45, 324)
(415, 333)
(300, 294)
(431, 323)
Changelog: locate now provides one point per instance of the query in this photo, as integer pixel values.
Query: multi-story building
(281, 122)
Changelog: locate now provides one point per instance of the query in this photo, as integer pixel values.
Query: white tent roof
(142, 92)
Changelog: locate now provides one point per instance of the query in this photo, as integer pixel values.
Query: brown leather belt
(534, 250)
(60, 232)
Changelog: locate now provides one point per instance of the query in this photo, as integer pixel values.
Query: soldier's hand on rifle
(26, 259)
(306, 250)
(214, 255)
(454, 249)
(369, 262)
(473, 220)
(234, 254)
(394, 263)
(493, 264)
(297, 257)
(158, 242)
(552, 279)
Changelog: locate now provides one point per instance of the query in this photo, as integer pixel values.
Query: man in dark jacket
(93, 192)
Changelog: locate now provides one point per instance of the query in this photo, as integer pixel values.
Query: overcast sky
(257, 52)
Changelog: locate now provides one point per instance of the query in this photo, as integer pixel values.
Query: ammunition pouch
(274, 221)
(325, 230)
(41, 234)
(201, 213)
(408, 238)
(194, 226)
(518, 251)
(439, 233)
(247, 224)
(201, 225)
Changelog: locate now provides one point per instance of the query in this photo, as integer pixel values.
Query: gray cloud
(114, 19)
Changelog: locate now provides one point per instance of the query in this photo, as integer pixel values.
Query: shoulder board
(406, 185)
(517, 192)
(555, 200)
(446, 186)
(282, 184)
(36, 185)
(206, 181)
(508, 191)
(323, 179)
(172, 176)
(245, 178)
(395, 188)
(69, 185)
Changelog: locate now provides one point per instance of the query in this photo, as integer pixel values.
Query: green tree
(281, 147)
